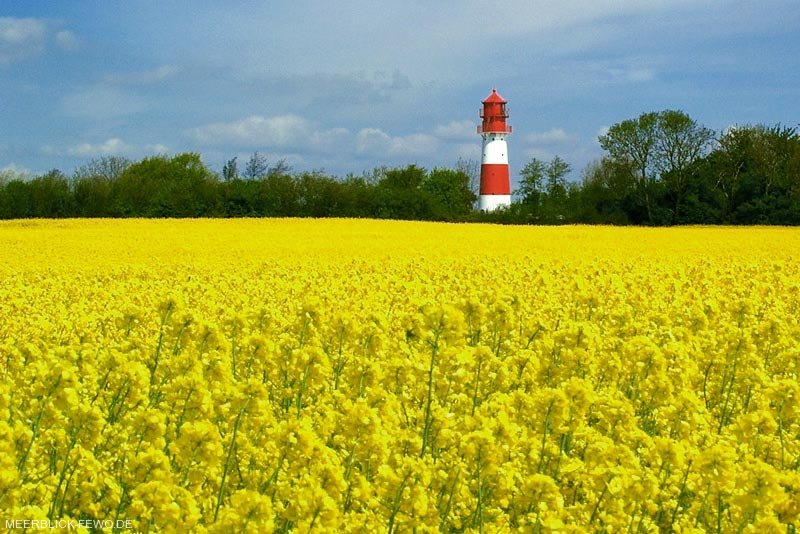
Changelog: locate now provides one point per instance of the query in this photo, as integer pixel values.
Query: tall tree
(634, 141)
(50, 195)
(408, 178)
(729, 161)
(555, 205)
(106, 167)
(781, 159)
(471, 168)
(556, 173)
(680, 142)
(280, 167)
(230, 170)
(93, 185)
(256, 167)
(160, 186)
(531, 182)
(450, 189)
(9, 175)
(757, 173)
(604, 193)
(398, 194)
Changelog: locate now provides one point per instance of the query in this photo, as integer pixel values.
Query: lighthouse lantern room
(495, 189)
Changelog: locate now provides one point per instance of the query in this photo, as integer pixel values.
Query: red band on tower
(495, 179)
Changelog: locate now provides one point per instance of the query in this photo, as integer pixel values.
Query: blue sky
(346, 86)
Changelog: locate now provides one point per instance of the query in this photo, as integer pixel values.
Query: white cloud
(289, 132)
(633, 74)
(376, 142)
(113, 147)
(457, 130)
(24, 38)
(102, 102)
(332, 140)
(12, 170)
(67, 40)
(296, 134)
(145, 77)
(20, 38)
(554, 136)
(255, 131)
(373, 140)
(419, 144)
(19, 31)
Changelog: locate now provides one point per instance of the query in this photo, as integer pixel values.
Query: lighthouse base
(493, 202)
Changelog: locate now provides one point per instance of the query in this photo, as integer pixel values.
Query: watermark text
(68, 524)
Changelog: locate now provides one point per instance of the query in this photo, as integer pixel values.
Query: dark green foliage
(160, 186)
(450, 192)
(278, 195)
(398, 194)
(15, 200)
(46, 196)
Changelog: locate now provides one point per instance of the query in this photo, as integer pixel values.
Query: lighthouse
(495, 184)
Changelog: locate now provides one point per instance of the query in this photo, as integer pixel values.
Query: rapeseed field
(258, 376)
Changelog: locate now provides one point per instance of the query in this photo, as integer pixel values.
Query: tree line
(182, 186)
(661, 168)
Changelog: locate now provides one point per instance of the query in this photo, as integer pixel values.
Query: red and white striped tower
(495, 182)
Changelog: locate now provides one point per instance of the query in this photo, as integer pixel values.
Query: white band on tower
(495, 149)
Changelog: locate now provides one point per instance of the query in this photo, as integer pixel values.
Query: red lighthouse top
(494, 114)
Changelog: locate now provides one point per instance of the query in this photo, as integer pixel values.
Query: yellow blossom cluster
(229, 376)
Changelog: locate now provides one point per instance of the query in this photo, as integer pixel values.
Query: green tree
(633, 142)
(450, 190)
(14, 194)
(357, 197)
(531, 184)
(680, 143)
(555, 208)
(556, 173)
(7, 175)
(50, 195)
(230, 170)
(278, 196)
(606, 192)
(398, 194)
(757, 172)
(318, 195)
(256, 167)
(408, 178)
(280, 167)
(729, 163)
(93, 184)
(15, 199)
(107, 167)
(542, 189)
(471, 168)
(159, 186)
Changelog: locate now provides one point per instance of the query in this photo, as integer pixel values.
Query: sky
(346, 86)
